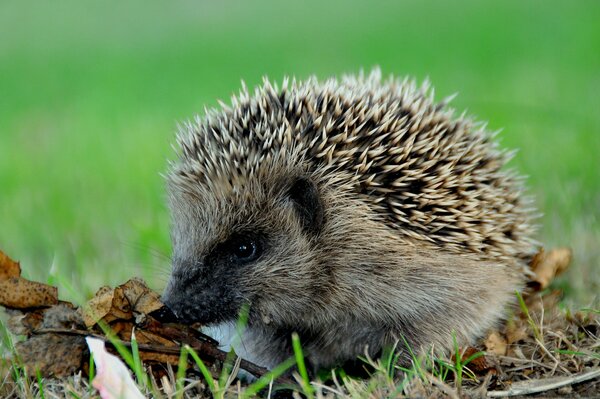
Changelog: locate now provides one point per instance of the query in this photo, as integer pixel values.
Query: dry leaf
(149, 338)
(97, 307)
(119, 303)
(141, 298)
(479, 364)
(164, 358)
(517, 333)
(548, 265)
(121, 308)
(8, 267)
(18, 293)
(20, 323)
(496, 344)
(54, 355)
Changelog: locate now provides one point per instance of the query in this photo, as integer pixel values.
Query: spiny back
(426, 173)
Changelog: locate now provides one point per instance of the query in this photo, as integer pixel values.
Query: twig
(445, 388)
(328, 388)
(527, 363)
(551, 356)
(543, 385)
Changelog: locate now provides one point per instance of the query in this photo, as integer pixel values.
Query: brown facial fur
(389, 257)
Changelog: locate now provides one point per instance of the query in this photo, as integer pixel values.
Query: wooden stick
(543, 385)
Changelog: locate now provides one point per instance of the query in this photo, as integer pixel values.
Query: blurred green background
(91, 92)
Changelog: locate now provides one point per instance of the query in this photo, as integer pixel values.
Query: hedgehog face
(257, 243)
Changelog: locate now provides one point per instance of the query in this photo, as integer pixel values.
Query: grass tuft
(307, 388)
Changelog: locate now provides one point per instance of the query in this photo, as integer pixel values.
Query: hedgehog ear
(307, 202)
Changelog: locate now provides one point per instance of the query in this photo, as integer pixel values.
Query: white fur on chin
(228, 337)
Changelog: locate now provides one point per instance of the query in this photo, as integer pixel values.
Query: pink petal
(112, 380)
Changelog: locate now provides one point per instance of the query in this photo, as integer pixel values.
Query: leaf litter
(541, 349)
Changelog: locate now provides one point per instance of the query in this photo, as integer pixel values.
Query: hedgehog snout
(194, 295)
(176, 298)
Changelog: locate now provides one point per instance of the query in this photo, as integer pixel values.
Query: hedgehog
(357, 213)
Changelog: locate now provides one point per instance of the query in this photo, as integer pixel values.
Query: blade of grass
(268, 378)
(590, 310)
(40, 382)
(444, 369)
(137, 362)
(457, 362)
(415, 360)
(525, 310)
(180, 377)
(91, 373)
(391, 359)
(299, 356)
(210, 381)
(118, 345)
(577, 353)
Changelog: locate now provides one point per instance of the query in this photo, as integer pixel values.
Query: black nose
(194, 295)
(164, 315)
(181, 305)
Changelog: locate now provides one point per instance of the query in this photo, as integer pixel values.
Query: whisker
(152, 251)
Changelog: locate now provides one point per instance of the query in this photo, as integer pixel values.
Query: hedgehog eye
(244, 249)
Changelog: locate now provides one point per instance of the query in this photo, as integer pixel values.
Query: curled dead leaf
(517, 334)
(21, 323)
(475, 360)
(8, 267)
(121, 308)
(97, 307)
(18, 293)
(495, 343)
(163, 358)
(141, 298)
(121, 302)
(547, 265)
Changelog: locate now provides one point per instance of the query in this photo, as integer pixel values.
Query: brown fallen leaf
(21, 323)
(495, 343)
(8, 267)
(108, 305)
(478, 364)
(516, 334)
(141, 298)
(18, 293)
(547, 265)
(54, 355)
(121, 308)
(121, 303)
(97, 307)
(178, 332)
(125, 329)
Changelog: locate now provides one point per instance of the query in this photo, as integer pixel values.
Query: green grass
(90, 95)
